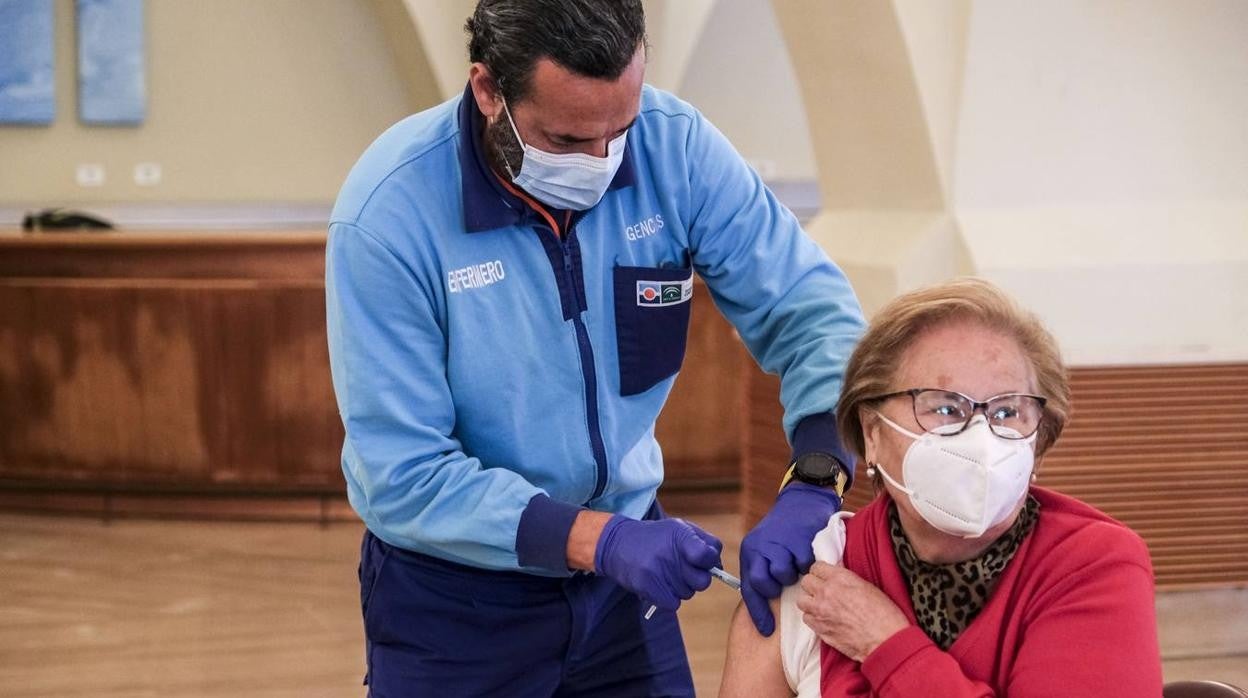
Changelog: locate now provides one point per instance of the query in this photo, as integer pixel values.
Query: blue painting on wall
(112, 85)
(27, 85)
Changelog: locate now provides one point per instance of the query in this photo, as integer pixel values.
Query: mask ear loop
(874, 468)
(897, 427)
(515, 131)
(511, 121)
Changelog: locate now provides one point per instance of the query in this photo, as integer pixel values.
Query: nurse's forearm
(583, 539)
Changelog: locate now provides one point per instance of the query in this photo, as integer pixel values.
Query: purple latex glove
(778, 550)
(663, 562)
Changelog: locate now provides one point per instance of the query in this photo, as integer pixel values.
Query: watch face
(816, 467)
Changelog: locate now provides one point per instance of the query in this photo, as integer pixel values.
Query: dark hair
(594, 38)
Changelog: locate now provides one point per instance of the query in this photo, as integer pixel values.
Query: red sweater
(1072, 615)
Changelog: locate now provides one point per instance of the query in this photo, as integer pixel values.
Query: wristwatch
(820, 469)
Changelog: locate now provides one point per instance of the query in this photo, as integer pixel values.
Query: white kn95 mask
(965, 483)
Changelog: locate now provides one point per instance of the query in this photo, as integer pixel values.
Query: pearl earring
(873, 468)
(1033, 476)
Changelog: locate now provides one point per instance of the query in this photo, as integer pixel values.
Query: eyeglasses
(945, 412)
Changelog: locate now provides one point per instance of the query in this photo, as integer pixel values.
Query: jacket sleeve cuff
(542, 537)
(817, 433)
(881, 664)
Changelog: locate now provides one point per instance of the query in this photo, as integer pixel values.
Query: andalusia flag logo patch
(661, 293)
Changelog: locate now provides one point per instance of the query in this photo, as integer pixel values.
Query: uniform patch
(661, 293)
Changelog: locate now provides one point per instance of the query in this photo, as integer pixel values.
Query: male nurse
(509, 277)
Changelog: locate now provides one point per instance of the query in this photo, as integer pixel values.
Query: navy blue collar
(487, 204)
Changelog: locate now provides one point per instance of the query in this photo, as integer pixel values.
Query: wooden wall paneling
(1165, 450)
(766, 452)
(701, 426)
(196, 382)
(151, 374)
(140, 366)
(1162, 448)
(765, 447)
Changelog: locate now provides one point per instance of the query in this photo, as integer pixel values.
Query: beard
(502, 149)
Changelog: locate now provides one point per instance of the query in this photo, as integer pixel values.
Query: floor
(196, 609)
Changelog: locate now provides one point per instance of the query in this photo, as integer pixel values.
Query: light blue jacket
(494, 378)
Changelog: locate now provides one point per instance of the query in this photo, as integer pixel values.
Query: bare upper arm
(752, 668)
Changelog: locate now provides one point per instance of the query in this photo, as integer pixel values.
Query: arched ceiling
(430, 45)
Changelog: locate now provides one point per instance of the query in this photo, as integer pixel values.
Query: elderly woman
(962, 577)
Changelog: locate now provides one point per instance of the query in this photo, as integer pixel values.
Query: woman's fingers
(848, 613)
(823, 570)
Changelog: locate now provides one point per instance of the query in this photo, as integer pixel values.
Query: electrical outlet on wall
(147, 174)
(89, 174)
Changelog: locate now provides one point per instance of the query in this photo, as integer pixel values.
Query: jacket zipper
(588, 372)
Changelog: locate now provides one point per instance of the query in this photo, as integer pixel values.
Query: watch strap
(841, 479)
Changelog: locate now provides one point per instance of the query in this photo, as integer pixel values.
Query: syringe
(726, 578)
(717, 573)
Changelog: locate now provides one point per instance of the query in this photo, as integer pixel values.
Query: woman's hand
(848, 612)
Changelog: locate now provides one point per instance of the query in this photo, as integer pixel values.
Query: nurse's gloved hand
(778, 550)
(664, 562)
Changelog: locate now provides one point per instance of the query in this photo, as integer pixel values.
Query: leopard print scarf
(946, 598)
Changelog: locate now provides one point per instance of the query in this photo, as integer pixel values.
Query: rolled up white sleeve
(799, 646)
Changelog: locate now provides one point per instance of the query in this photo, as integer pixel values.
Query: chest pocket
(652, 307)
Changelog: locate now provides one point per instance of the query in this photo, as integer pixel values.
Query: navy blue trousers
(436, 628)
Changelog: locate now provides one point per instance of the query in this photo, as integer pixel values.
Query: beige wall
(1089, 157)
(248, 102)
(439, 24)
(1107, 143)
(739, 75)
(272, 101)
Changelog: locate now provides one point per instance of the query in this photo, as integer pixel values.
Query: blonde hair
(873, 365)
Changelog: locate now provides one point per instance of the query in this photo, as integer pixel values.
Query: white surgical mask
(574, 181)
(966, 483)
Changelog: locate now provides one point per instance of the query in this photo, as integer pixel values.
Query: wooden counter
(186, 373)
